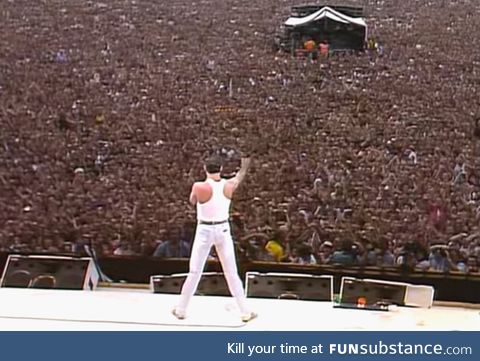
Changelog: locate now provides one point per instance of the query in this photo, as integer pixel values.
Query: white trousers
(205, 237)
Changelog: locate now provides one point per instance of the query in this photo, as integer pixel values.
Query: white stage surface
(112, 309)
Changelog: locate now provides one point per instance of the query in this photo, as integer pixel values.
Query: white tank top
(217, 209)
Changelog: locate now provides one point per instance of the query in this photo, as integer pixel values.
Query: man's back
(212, 203)
(204, 190)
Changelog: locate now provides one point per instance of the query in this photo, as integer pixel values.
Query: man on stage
(212, 198)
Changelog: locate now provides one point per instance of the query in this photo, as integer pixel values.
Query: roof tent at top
(343, 30)
(300, 11)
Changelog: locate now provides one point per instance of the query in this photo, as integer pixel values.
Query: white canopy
(325, 12)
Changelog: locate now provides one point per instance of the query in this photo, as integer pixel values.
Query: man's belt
(212, 223)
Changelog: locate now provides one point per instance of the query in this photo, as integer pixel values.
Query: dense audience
(107, 109)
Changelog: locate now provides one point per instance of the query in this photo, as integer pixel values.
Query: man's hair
(213, 164)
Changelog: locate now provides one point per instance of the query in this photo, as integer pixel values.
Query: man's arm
(238, 179)
(254, 235)
(193, 195)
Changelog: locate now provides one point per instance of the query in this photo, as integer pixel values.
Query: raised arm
(240, 176)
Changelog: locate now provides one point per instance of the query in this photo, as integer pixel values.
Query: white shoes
(249, 317)
(177, 314)
(245, 318)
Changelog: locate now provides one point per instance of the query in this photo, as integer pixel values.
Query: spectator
(302, 254)
(174, 247)
(472, 264)
(440, 259)
(311, 48)
(252, 247)
(325, 252)
(345, 256)
(324, 48)
(124, 249)
(275, 250)
(407, 258)
(380, 258)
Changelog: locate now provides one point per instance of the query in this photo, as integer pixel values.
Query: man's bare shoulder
(198, 183)
(203, 191)
(201, 185)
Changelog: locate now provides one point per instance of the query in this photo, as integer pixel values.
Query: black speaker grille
(60, 273)
(210, 284)
(304, 287)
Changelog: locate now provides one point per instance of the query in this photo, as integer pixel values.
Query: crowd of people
(108, 108)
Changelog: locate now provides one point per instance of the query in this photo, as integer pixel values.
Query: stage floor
(111, 309)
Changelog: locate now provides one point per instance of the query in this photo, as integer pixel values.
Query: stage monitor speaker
(211, 284)
(289, 286)
(377, 292)
(57, 272)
